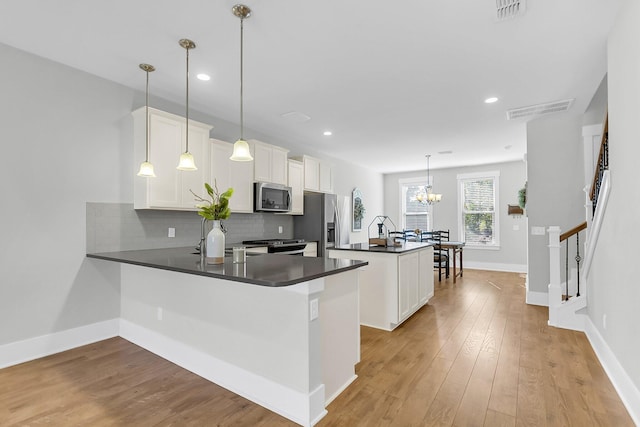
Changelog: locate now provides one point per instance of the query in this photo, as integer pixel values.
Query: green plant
(218, 207)
(358, 209)
(522, 196)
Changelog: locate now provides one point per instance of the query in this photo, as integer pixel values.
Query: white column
(555, 290)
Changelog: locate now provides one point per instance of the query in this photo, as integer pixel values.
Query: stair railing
(597, 198)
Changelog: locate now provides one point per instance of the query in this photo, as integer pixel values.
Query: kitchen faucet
(202, 246)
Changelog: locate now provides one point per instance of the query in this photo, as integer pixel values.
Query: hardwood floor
(476, 355)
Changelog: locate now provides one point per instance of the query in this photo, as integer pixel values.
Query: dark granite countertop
(364, 247)
(263, 270)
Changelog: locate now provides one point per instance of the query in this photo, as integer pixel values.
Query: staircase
(566, 298)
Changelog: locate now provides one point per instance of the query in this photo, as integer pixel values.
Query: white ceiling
(393, 80)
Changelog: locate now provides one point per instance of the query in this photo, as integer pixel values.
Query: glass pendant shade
(146, 170)
(241, 151)
(186, 162)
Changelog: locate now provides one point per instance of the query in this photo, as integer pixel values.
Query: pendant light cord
(241, 79)
(187, 114)
(147, 116)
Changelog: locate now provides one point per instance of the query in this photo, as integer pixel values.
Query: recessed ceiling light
(490, 100)
(327, 133)
(203, 77)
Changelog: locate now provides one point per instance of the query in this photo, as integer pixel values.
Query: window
(478, 198)
(414, 213)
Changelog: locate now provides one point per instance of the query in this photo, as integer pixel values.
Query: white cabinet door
(165, 190)
(262, 162)
(326, 178)
(194, 180)
(279, 165)
(311, 173)
(270, 162)
(311, 249)
(408, 277)
(296, 182)
(167, 136)
(237, 175)
(425, 283)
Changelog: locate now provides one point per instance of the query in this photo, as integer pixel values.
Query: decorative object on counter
(522, 196)
(215, 210)
(186, 159)
(358, 209)
(241, 151)
(514, 210)
(383, 224)
(428, 196)
(146, 168)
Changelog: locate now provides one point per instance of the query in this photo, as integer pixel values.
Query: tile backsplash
(119, 227)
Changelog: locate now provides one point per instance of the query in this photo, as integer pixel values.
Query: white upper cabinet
(167, 140)
(326, 178)
(296, 182)
(270, 162)
(237, 175)
(318, 175)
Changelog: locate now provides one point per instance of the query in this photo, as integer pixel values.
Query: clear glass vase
(215, 244)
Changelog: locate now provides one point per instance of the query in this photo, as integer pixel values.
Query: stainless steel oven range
(280, 246)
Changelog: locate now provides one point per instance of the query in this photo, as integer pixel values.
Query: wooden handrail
(605, 131)
(575, 230)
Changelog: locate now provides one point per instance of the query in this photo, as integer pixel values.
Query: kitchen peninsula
(395, 284)
(280, 330)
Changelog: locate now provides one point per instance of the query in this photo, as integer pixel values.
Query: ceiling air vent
(506, 9)
(540, 109)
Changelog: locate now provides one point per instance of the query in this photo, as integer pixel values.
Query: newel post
(555, 290)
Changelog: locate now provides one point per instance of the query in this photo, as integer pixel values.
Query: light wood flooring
(476, 355)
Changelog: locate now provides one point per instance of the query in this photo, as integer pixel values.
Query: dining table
(454, 249)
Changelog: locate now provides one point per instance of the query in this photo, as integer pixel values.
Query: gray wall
(512, 255)
(597, 109)
(555, 183)
(612, 287)
(67, 140)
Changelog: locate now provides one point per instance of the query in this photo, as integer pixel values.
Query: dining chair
(440, 256)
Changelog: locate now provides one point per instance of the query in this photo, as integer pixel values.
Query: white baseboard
(629, 393)
(45, 345)
(495, 266)
(303, 408)
(340, 390)
(537, 298)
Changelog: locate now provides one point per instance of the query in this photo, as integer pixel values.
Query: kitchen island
(280, 330)
(395, 284)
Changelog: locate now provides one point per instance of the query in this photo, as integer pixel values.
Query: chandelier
(427, 196)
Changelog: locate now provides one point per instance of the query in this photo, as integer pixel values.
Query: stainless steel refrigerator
(325, 220)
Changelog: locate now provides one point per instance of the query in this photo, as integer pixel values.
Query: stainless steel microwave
(270, 197)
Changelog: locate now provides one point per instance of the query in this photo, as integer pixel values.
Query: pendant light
(146, 168)
(186, 158)
(428, 197)
(431, 197)
(241, 151)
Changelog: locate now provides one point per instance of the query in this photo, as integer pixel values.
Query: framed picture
(358, 210)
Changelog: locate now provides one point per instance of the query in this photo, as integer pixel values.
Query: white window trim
(415, 181)
(496, 232)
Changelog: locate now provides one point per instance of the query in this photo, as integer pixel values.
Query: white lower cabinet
(408, 278)
(311, 249)
(167, 136)
(393, 286)
(237, 175)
